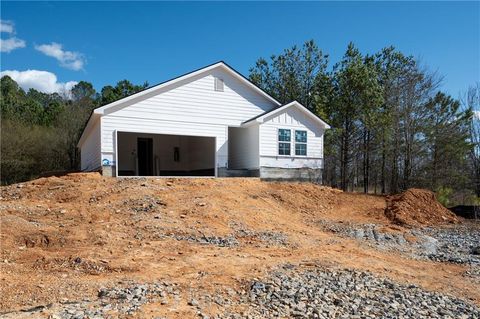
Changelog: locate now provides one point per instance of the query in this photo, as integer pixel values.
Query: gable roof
(165, 85)
(261, 117)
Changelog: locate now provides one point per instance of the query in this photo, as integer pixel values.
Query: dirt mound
(18, 232)
(418, 207)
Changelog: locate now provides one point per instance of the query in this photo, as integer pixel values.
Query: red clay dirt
(64, 238)
(418, 207)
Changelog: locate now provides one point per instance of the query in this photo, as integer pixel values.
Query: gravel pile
(265, 237)
(144, 205)
(323, 293)
(240, 235)
(270, 238)
(112, 302)
(227, 241)
(367, 232)
(289, 292)
(127, 300)
(455, 244)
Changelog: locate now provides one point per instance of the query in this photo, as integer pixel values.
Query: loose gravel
(121, 301)
(322, 293)
(455, 244)
(290, 291)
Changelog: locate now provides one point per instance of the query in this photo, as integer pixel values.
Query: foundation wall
(306, 174)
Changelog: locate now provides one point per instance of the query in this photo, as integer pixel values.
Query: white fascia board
(252, 122)
(101, 110)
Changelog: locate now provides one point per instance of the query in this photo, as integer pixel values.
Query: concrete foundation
(108, 171)
(224, 172)
(313, 175)
(305, 174)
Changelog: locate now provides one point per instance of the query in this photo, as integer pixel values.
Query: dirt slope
(64, 238)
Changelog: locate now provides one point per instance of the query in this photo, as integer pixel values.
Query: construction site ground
(72, 243)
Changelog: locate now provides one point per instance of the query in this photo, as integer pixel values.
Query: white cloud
(42, 81)
(476, 115)
(68, 59)
(11, 44)
(6, 26)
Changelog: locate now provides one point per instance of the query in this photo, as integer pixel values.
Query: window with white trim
(301, 143)
(284, 141)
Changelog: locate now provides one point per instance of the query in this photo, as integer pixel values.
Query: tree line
(40, 131)
(392, 126)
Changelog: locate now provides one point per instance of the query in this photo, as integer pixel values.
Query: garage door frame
(156, 133)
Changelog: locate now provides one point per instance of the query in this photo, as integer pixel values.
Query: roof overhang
(262, 117)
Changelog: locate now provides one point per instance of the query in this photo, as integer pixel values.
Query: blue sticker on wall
(106, 162)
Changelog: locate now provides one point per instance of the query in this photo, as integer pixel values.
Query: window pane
(301, 136)
(301, 149)
(284, 135)
(283, 148)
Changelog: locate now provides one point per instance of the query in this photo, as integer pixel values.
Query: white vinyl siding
(243, 147)
(196, 101)
(90, 149)
(293, 119)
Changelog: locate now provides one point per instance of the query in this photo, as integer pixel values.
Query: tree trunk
(384, 158)
(343, 164)
(366, 160)
(394, 179)
(435, 169)
(476, 167)
(342, 161)
(345, 157)
(407, 169)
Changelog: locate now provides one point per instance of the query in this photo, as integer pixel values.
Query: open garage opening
(141, 154)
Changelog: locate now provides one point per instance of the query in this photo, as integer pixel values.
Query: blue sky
(104, 42)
